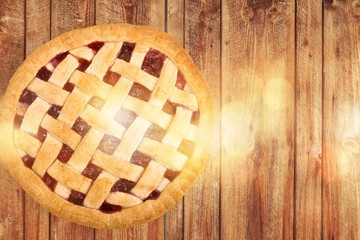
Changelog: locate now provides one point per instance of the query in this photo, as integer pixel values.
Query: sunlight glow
(237, 138)
(350, 145)
(278, 93)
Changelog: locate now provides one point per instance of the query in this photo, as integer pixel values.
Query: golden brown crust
(34, 186)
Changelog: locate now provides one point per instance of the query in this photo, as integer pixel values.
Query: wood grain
(12, 54)
(202, 41)
(308, 120)
(175, 17)
(66, 16)
(341, 191)
(132, 11)
(152, 231)
(287, 164)
(150, 13)
(257, 120)
(37, 24)
(69, 15)
(37, 32)
(174, 223)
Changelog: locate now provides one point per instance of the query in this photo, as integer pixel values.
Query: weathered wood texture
(341, 195)
(308, 120)
(284, 76)
(68, 15)
(257, 176)
(132, 11)
(12, 51)
(202, 41)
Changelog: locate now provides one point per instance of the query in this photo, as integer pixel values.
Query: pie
(106, 126)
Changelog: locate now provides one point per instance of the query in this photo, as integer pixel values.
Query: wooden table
(285, 152)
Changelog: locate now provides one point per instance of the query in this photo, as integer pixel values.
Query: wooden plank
(257, 164)
(12, 54)
(308, 120)
(37, 24)
(65, 16)
(150, 13)
(135, 12)
(341, 191)
(37, 32)
(69, 15)
(152, 230)
(36, 220)
(175, 20)
(202, 41)
(175, 27)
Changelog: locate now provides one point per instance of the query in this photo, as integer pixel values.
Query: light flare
(237, 135)
(278, 93)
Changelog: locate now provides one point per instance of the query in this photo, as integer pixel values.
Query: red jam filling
(126, 51)
(81, 127)
(170, 174)
(49, 181)
(153, 62)
(108, 144)
(95, 46)
(180, 81)
(109, 208)
(139, 91)
(28, 160)
(83, 64)
(153, 195)
(155, 132)
(92, 171)
(140, 159)
(125, 117)
(44, 74)
(123, 185)
(41, 134)
(27, 97)
(76, 197)
(65, 153)
(111, 78)
(18, 120)
(54, 111)
(58, 58)
(69, 87)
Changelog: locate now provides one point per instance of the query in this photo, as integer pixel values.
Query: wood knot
(273, 11)
(172, 10)
(356, 7)
(247, 13)
(315, 154)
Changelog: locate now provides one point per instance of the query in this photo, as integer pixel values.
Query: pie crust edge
(35, 187)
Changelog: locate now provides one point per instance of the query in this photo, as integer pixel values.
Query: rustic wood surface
(285, 147)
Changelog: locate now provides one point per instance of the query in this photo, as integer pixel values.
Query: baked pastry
(106, 126)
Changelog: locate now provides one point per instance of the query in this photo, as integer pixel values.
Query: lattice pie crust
(106, 126)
